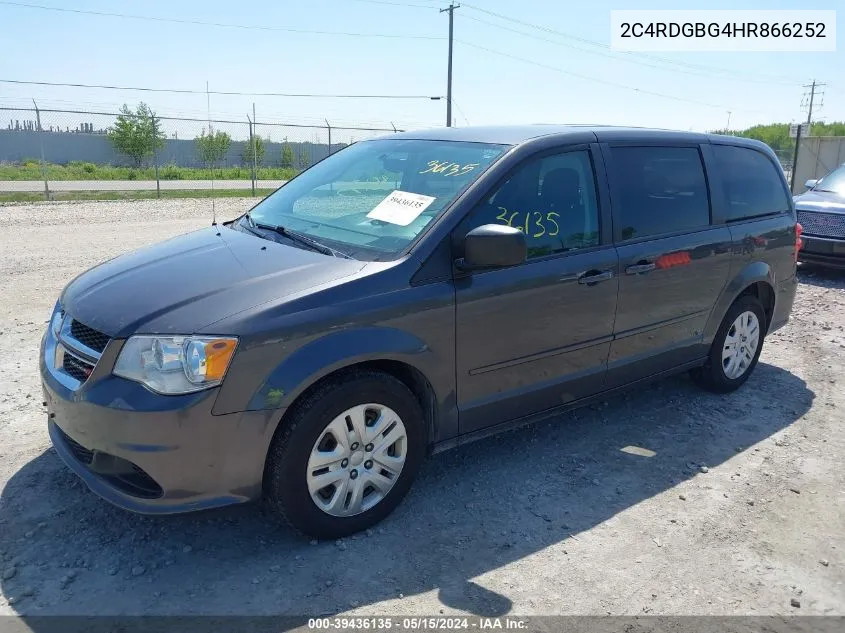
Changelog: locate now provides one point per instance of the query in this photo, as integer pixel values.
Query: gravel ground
(741, 510)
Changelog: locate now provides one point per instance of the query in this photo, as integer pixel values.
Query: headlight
(175, 364)
(56, 321)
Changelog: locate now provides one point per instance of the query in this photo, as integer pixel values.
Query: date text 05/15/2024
(417, 623)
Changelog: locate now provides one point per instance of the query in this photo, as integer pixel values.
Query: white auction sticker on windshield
(401, 207)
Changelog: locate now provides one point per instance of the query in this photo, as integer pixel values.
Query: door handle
(593, 277)
(637, 269)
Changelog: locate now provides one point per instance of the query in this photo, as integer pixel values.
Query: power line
(396, 4)
(629, 57)
(625, 58)
(7, 101)
(607, 47)
(809, 98)
(256, 27)
(217, 92)
(196, 120)
(597, 80)
(461, 112)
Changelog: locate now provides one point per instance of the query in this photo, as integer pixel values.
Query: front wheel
(346, 455)
(736, 347)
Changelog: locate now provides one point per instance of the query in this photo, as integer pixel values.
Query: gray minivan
(409, 294)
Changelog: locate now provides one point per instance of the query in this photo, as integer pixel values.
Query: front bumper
(823, 251)
(150, 453)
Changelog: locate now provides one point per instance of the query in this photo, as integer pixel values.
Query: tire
(716, 374)
(312, 433)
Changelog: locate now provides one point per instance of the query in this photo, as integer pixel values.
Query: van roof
(517, 134)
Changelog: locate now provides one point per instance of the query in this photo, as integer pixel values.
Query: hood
(827, 201)
(185, 283)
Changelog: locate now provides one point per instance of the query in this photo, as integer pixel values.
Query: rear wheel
(346, 455)
(736, 347)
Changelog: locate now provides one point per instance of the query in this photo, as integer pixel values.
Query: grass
(26, 196)
(31, 170)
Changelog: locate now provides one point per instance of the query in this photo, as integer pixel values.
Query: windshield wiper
(250, 225)
(295, 236)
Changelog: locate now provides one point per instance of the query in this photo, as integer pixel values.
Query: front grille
(136, 483)
(121, 473)
(88, 336)
(822, 224)
(76, 367)
(80, 452)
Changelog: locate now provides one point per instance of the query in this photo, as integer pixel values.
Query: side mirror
(493, 246)
(811, 183)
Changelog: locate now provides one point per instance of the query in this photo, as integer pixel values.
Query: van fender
(334, 351)
(749, 274)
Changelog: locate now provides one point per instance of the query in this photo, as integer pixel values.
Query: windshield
(834, 181)
(372, 199)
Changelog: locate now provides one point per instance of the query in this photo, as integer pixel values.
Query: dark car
(407, 295)
(821, 212)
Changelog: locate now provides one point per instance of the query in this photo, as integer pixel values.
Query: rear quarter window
(752, 184)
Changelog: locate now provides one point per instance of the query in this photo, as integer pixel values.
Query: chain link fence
(785, 158)
(50, 151)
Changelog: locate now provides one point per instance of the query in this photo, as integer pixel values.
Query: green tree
(212, 146)
(835, 128)
(258, 144)
(776, 135)
(137, 134)
(287, 156)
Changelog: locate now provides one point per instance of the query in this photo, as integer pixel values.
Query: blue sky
(488, 87)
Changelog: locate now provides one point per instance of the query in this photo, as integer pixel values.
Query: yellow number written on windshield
(447, 168)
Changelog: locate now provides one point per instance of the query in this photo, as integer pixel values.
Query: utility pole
(728, 128)
(451, 9)
(795, 160)
(807, 102)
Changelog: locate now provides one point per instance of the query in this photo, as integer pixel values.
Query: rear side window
(753, 186)
(658, 190)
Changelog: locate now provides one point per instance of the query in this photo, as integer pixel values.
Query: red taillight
(799, 243)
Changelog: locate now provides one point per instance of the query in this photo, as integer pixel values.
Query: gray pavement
(132, 185)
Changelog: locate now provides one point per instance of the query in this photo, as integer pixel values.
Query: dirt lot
(741, 511)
